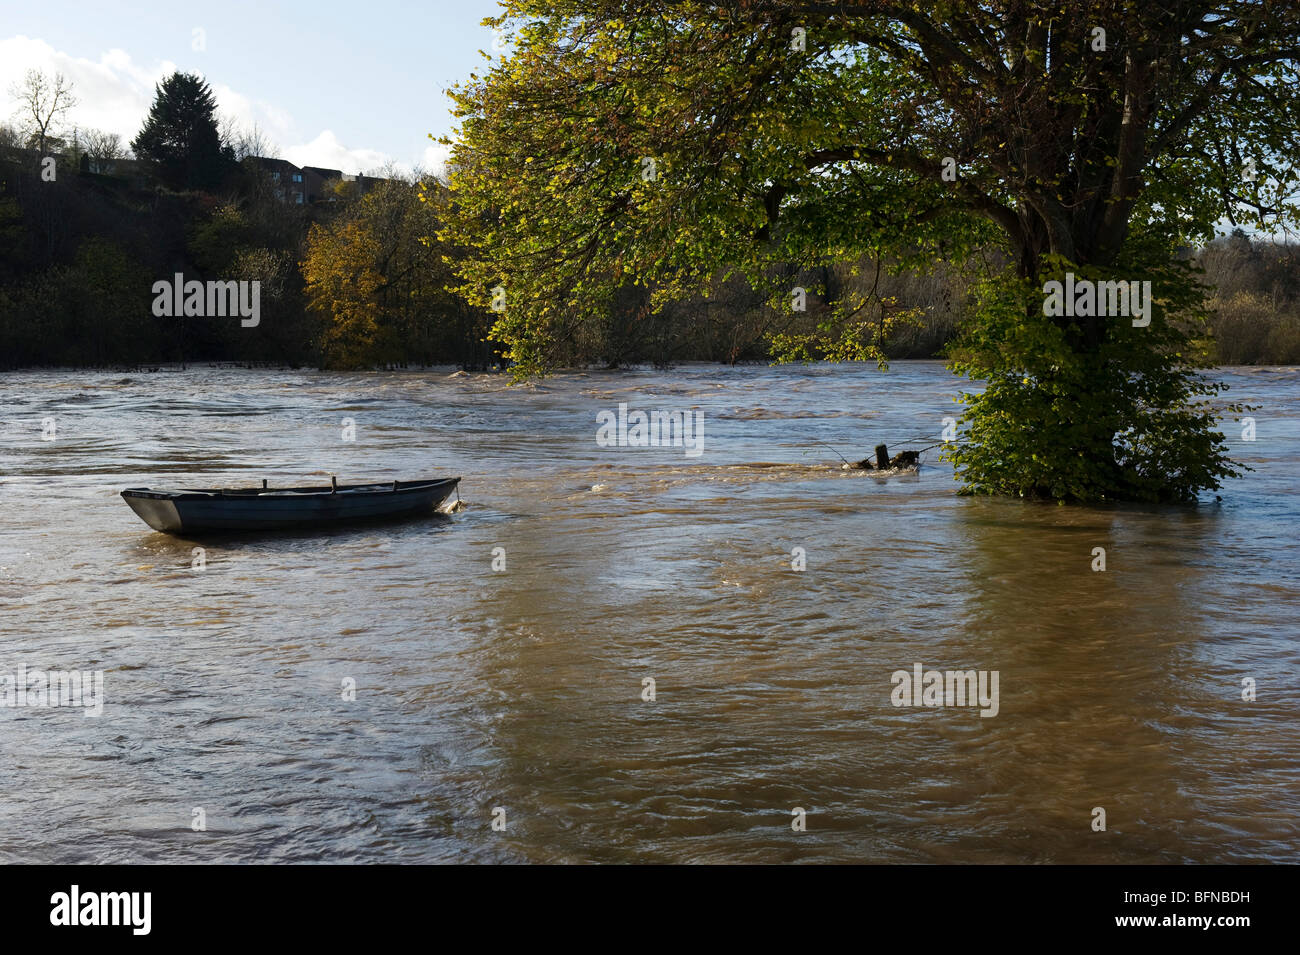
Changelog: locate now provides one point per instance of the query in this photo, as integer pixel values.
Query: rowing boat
(305, 508)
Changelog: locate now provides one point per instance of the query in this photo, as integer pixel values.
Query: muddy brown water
(522, 688)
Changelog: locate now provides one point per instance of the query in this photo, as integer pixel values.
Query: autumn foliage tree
(665, 144)
(379, 283)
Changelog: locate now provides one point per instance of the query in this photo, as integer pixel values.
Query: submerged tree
(664, 144)
(180, 137)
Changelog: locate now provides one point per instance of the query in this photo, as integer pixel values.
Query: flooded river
(627, 654)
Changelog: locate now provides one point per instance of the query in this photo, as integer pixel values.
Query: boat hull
(304, 508)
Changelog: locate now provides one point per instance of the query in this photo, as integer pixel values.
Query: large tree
(663, 144)
(43, 105)
(180, 137)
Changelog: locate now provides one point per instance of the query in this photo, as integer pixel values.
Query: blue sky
(346, 85)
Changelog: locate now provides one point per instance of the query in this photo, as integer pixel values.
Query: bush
(1124, 417)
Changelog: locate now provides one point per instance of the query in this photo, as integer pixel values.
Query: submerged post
(882, 457)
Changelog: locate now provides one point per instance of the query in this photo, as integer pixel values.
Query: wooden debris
(883, 462)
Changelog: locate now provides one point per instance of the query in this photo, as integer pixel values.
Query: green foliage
(215, 242)
(379, 283)
(656, 152)
(93, 311)
(1122, 417)
(847, 334)
(621, 147)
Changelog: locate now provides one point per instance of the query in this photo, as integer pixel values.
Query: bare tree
(247, 140)
(227, 129)
(43, 102)
(253, 141)
(102, 148)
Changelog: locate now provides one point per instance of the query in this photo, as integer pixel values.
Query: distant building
(318, 179)
(308, 184)
(291, 184)
(123, 171)
(133, 170)
(286, 179)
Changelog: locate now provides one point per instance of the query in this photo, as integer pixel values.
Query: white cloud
(274, 122)
(114, 94)
(435, 158)
(325, 150)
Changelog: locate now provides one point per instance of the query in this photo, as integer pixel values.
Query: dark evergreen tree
(180, 138)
